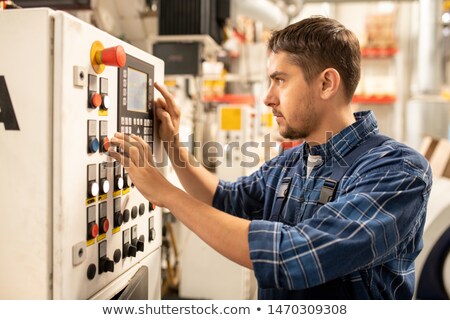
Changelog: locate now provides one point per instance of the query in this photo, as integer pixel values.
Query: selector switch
(139, 243)
(104, 263)
(128, 250)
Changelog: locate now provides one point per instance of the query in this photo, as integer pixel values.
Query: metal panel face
(91, 201)
(26, 154)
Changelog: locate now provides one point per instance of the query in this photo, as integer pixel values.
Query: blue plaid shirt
(368, 236)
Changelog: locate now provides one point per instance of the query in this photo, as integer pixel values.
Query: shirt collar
(341, 143)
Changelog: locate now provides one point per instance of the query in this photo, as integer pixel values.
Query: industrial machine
(73, 224)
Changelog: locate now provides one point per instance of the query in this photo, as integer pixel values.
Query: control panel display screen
(137, 90)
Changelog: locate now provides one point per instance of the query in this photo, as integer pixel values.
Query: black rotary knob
(134, 212)
(107, 265)
(117, 255)
(126, 215)
(118, 219)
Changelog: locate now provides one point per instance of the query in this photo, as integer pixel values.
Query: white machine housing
(65, 234)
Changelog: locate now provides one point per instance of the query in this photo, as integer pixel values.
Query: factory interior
(75, 227)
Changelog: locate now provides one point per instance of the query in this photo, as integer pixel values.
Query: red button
(96, 100)
(114, 56)
(105, 144)
(105, 225)
(93, 232)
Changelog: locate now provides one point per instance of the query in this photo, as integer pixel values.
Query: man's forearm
(225, 233)
(196, 180)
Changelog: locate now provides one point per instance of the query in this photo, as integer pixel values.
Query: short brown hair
(317, 43)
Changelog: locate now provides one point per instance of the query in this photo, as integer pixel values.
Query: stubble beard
(307, 120)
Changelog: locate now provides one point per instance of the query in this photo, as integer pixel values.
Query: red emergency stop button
(101, 57)
(114, 56)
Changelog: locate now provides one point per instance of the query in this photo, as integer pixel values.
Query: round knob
(106, 102)
(104, 184)
(104, 225)
(105, 144)
(114, 56)
(93, 144)
(92, 230)
(118, 219)
(95, 100)
(117, 255)
(119, 183)
(126, 215)
(93, 188)
(91, 271)
(141, 209)
(134, 212)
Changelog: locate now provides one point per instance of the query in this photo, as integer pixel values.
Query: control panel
(84, 227)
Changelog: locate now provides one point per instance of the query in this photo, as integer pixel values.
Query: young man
(339, 217)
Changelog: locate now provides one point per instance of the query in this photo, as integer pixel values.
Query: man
(305, 235)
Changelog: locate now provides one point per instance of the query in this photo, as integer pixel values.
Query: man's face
(290, 98)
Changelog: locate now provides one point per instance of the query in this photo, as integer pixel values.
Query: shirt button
(302, 199)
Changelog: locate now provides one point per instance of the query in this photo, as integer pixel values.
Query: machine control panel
(88, 224)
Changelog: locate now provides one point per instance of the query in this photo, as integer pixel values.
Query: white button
(93, 188)
(105, 186)
(120, 183)
(106, 102)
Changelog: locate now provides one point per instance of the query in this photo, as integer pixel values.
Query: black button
(91, 271)
(126, 215)
(134, 212)
(141, 209)
(117, 255)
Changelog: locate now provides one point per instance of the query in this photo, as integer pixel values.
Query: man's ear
(330, 81)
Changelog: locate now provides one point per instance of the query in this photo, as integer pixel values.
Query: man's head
(317, 43)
